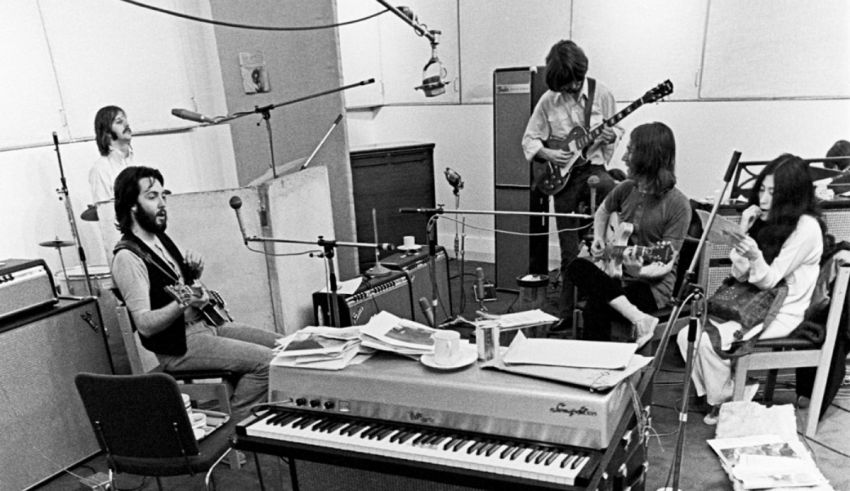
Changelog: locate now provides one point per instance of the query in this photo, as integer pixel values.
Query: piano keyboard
(535, 461)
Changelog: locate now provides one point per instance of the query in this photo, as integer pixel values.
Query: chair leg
(158, 483)
(770, 385)
(208, 482)
(818, 390)
(741, 369)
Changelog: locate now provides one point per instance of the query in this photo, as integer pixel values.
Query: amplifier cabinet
(25, 285)
(390, 293)
(44, 425)
(417, 268)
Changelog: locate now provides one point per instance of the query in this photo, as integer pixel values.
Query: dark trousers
(575, 198)
(599, 288)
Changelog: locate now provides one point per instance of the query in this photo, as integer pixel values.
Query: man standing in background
(112, 135)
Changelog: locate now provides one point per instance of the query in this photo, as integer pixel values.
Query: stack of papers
(525, 318)
(596, 365)
(767, 461)
(326, 348)
(387, 332)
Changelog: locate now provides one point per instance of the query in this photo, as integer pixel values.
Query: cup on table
(409, 241)
(446, 347)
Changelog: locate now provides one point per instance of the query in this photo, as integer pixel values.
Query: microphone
(55, 139)
(192, 116)
(236, 204)
(736, 155)
(428, 211)
(427, 310)
(592, 182)
(454, 179)
(479, 283)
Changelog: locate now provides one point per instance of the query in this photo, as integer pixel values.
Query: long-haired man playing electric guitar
(171, 321)
(659, 215)
(572, 101)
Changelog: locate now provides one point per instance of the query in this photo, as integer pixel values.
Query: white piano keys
(312, 430)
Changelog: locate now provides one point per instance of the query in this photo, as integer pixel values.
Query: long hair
(127, 192)
(653, 156)
(566, 63)
(793, 196)
(103, 133)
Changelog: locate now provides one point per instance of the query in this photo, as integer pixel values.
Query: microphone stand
(328, 246)
(63, 195)
(431, 230)
(690, 291)
(265, 112)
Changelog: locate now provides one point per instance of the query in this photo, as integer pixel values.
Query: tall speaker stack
(515, 93)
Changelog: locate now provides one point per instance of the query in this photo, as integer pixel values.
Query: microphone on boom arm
(236, 204)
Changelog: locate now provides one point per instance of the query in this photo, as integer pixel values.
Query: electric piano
(476, 427)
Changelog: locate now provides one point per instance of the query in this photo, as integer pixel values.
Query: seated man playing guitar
(174, 313)
(660, 215)
(570, 105)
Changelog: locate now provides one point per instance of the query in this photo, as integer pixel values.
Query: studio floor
(700, 468)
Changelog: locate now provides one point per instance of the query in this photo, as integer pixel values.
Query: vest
(172, 339)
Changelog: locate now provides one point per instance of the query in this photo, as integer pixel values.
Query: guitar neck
(617, 251)
(595, 132)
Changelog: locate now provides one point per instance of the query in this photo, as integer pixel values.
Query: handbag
(746, 303)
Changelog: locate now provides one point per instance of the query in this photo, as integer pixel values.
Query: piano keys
(471, 423)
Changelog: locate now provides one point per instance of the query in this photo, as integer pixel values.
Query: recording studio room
(403, 251)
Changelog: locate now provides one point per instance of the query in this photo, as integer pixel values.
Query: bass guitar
(550, 178)
(215, 311)
(617, 240)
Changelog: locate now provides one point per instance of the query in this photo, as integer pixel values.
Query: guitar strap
(588, 106)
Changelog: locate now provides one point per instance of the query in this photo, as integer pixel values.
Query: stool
(532, 295)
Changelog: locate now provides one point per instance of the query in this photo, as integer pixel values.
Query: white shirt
(103, 173)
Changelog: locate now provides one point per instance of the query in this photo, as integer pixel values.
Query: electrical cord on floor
(824, 445)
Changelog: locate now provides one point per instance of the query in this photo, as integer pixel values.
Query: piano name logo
(417, 416)
(562, 407)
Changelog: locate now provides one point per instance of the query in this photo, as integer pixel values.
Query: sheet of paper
(595, 379)
(347, 287)
(569, 353)
(723, 231)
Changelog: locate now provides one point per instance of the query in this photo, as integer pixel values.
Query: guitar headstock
(658, 92)
(660, 252)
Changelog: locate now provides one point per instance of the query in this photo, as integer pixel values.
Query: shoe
(645, 330)
(563, 325)
(712, 416)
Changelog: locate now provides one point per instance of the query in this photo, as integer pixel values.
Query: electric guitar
(215, 311)
(550, 178)
(617, 235)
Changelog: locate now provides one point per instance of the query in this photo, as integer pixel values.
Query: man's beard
(147, 221)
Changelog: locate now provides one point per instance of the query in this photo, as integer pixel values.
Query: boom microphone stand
(63, 195)
(265, 112)
(328, 246)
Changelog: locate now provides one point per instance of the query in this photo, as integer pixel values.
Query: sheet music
(569, 353)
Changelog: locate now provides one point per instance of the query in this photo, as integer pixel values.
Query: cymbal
(56, 243)
(90, 215)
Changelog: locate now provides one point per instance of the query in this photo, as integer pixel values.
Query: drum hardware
(59, 244)
(64, 196)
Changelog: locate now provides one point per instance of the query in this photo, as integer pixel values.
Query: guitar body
(215, 311)
(617, 235)
(550, 178)
(616, 238)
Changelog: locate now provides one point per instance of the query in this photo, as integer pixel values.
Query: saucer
(468, 355)
(414, 247)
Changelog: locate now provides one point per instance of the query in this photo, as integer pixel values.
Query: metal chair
(142, 426)
(774, 354)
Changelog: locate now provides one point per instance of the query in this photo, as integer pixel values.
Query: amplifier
(390, 293)
(25, 284)
(417, 269)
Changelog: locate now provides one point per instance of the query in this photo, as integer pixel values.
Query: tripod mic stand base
(378, 270)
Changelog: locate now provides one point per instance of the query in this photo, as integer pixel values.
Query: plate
(468, 355)
(414, 247)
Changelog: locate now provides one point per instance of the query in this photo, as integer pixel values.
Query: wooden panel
(386, 179)
(42, 420)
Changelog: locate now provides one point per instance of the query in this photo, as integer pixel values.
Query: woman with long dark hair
(660, 214)
(782, 240)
